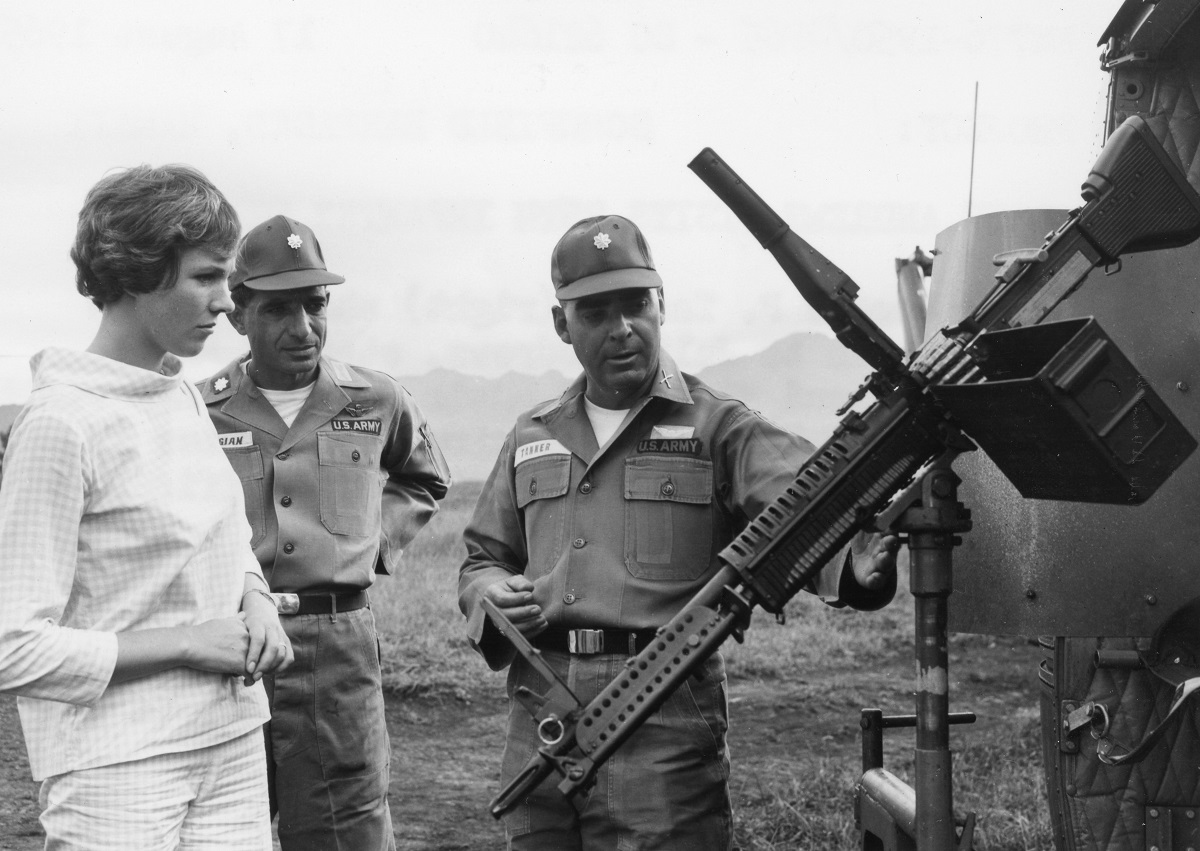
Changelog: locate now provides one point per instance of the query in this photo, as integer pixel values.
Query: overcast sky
(439, 149)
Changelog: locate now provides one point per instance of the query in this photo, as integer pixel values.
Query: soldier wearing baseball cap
(603, 516)
(281, 254)
(340, 470)
(601, 254)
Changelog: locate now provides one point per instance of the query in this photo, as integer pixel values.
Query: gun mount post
(884, 803)
(931, 528)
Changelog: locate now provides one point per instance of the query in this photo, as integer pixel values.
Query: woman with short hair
(135, 622)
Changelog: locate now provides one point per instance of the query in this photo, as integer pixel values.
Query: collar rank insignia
(601, 240)
(666, 379)
(357, 409)
(220, 384)
(294, 241)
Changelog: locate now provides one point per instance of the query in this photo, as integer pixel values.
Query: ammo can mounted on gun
(1116, 589)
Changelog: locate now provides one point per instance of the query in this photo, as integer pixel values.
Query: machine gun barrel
(828, 289)
(872, 456)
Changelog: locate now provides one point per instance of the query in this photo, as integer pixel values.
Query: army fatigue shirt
(622, 536)
(335, 498)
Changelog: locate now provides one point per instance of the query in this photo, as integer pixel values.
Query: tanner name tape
(539, 449)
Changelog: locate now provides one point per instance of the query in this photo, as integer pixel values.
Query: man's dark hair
(241, 295)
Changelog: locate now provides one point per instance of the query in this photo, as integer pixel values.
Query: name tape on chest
(670, 432)
(360, 426)
(539, 449)
(235, 439)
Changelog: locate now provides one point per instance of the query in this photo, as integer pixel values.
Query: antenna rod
(974, 120)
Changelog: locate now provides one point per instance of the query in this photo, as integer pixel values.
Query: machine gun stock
(1135, 200)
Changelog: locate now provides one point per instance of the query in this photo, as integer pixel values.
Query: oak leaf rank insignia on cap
(281, 254)
(601, 254)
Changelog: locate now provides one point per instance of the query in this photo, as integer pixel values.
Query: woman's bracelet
(270, 599)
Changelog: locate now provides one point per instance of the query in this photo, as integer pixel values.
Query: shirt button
(289, 548)
(286, 501)
(586, 487)
(532, 486)
(667, 488)
(578, 543)
(283, 456)
(355, 455)
(568, 598)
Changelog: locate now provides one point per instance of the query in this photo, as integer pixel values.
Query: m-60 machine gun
(1089, 430)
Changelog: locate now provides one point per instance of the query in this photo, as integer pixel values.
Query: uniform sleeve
(495, 543)
(417, 477)
(761, 460)
(249, 560)
(42, 501)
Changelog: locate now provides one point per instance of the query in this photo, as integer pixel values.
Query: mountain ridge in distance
(797, 382)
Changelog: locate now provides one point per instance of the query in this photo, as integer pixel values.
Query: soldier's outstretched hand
(874, 559)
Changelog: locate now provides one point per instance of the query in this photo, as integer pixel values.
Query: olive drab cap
(281, 254)
(601, 254)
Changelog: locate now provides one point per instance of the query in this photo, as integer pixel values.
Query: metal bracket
(1091, 715)
(1012, 262)
(1126, 59)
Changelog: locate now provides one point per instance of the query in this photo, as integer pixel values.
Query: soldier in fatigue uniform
(602, 517)
(340, 471)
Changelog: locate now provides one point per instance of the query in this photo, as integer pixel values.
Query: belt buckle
(287, 604)
(585, 642)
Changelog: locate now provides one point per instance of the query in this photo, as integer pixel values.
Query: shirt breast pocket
(668, 517)
(540, 485)
(248, 464)
(350, 483)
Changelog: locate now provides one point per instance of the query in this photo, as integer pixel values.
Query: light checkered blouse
(118, 512)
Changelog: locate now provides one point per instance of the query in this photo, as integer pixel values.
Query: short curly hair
(135, 225)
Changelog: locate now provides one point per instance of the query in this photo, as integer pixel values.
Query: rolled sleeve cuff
(96, 665)
(82, 669)
(482, 634)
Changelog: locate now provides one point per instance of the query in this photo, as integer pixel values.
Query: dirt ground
(446, 750)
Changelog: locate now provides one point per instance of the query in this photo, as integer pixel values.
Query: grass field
(785, 802)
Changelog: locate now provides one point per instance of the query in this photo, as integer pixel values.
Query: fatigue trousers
(328, 751)
(667, 787)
